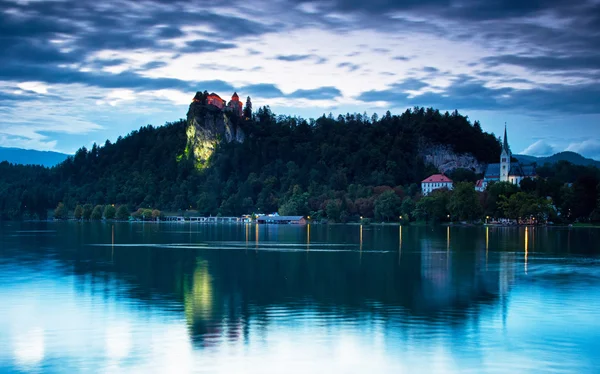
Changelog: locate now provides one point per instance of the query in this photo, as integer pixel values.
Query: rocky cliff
(445, 160)
(207, 125)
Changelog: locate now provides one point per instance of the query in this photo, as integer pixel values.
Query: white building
(435, 182)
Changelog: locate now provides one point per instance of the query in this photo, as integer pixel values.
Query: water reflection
(208, 305)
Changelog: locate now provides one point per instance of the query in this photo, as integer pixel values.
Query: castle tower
(235, 104)
(505, 159)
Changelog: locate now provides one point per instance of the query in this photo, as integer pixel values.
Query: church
(506, 171)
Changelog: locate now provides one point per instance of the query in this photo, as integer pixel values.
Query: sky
(77, 72)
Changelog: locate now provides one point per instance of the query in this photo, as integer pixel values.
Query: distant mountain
(31, 157)
(572, 157)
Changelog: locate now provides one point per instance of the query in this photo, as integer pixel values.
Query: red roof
(214, 95)
(437, 178)
(235, 96)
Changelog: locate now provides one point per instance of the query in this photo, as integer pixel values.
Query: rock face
(445, 160)
(207, 126)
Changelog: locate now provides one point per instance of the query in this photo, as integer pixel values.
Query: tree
(87, 211)
(432, 208)
(122, 213)
(387, 206)
(97, 213)
(525, 206)
(407, 208)
(61, 211)
(333, 210)
(494, 191)
(248, 109)
(464, 203)
(156, 214)
(463, 175)
(78, 212)
(110, 212)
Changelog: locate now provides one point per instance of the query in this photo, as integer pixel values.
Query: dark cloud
(547, 63)
(322, 93)
(293, 57)
(430, 69)
(264, 90)
(469, 93)
(201, 46)
(348, 65)
(154, 65)
(401, 58)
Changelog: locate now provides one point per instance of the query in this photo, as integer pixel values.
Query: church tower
(505, 159)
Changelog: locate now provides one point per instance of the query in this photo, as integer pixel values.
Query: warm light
(361, 217)
(308, 217)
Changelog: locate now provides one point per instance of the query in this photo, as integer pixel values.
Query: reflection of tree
(221, 292)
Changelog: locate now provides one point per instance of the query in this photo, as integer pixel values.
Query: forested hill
(285, 163)
(31, 157)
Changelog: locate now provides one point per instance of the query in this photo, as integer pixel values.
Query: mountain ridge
(24, 156)
(572, 157)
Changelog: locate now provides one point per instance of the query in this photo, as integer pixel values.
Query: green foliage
(122, 213)
(433, 208)
(61, 211)
(78, 214)
(110, 212)
(407, 208)
(463, 175)
(387, 206)
(87, 211)
(464, 203)
(248, 109)
(97, 213)
(493, 193)
(523, 205)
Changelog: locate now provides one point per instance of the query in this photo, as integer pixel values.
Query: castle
(506, 171)
(234, 105)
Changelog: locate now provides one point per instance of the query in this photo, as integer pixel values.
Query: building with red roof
(214, 99)
(435, 182)
(235, 104)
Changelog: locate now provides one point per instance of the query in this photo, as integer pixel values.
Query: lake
(101, 297)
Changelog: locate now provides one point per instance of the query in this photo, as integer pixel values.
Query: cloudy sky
(77, 72)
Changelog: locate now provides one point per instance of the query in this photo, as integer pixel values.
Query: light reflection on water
(234, 299)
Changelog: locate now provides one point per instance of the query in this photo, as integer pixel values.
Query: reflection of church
(506, 170)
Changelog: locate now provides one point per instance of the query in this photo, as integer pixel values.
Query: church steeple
(505, 145)
(505, 159)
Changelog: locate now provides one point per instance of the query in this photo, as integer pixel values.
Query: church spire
(505, 145)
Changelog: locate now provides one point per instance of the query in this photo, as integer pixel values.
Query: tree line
(339, 169)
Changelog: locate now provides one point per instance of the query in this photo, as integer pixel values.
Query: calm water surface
(93, 297)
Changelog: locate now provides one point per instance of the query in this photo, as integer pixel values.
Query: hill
(222, 162)
(572, 157)
(31, 157)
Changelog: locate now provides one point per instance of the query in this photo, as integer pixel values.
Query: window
(503, 159)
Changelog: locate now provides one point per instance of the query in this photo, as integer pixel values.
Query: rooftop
(437, 178)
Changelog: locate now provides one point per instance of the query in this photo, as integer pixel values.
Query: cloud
(293, 57)
(349, 66)
(201, 46)
(323, 93)
(587, 148)
(467, 92)
(539, 148)
(264, 90)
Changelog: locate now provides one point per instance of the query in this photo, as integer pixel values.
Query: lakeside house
(435, 182)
